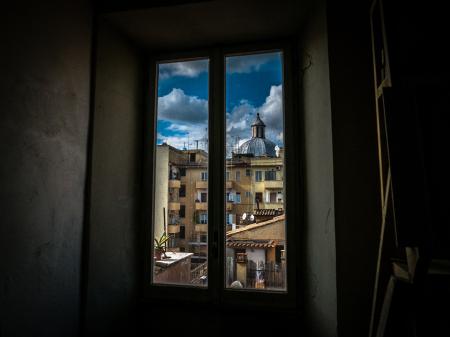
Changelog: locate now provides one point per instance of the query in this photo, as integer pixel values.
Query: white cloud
(185, 69)
(176, 106)
(272, 110)
(249, 63)
(188, 117)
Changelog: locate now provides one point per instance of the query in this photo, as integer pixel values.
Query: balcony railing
(278, 184)
(174, 183)
(174, 205)
(173, 228)
(201, 227)
(201, 206)
(199, 274)
(201, 184)
(272, 205)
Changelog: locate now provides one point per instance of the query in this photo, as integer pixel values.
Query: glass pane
(255, 213)
(180, 236)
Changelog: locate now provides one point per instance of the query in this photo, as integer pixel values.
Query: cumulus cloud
(272, 113)
(176, 106)
(240, 119)
(185, 69)
(247, 64)
(188, 117)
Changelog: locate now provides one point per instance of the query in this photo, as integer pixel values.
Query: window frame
(216, 292)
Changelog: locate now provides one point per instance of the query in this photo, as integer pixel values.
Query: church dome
(258, 145)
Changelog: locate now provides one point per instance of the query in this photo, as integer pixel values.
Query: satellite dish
(252, 217)
(244, 216)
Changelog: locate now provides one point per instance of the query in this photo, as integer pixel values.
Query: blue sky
(253, 84)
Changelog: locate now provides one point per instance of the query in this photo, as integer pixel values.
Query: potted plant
(160, 246)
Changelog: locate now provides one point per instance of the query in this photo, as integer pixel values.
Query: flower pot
(158, 254)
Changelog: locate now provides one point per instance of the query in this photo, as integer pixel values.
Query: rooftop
(173, 258)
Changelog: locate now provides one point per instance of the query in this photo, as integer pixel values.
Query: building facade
(254, 180)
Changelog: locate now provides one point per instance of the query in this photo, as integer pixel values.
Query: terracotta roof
(256, 225)
(251, 244)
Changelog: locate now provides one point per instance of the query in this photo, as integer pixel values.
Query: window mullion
(217, 173)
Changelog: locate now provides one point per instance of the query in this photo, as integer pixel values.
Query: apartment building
(254, 180)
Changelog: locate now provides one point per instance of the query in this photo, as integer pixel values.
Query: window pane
(181, 174)
(255, 231)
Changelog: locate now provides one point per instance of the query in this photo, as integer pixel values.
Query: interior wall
(44, 97)
(355, 162)
(113, 263)
(318, 247)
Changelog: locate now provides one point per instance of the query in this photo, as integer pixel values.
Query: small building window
(182, 212)
(182, 234)
(270, 175)
(258, 176)
(182, 192)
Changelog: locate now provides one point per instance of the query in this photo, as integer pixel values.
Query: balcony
(173, 229)
(272, 205)
(201, 184)
(201, 206)
(277, 184)
(174, 183)
(174, 205)
(201, 227)
(229, 184)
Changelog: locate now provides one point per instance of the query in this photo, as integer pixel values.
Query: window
(182, 234)
(270, 175)
(203, 218)
(250, 109)
(172, 151)
(182, 192)
(182, 211)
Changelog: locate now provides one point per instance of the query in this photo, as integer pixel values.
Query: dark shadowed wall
(113, 269)
(318, 237)
(44, 95)
(355, 163)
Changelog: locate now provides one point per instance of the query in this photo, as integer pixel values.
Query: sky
(253, 85)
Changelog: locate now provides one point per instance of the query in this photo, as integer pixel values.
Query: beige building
(254, 180)
(181, 197)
